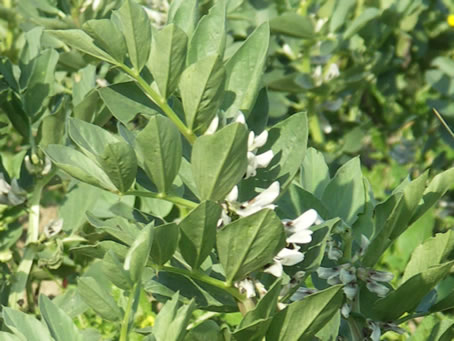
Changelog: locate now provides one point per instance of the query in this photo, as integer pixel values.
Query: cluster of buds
(375, 329)
(348, 275)
(35, 165)
(11, 194)
(157, 11)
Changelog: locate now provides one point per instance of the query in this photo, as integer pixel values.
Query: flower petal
(301, 237)
(267, 196)
(264, 159)
(275, 269)
(289, 257)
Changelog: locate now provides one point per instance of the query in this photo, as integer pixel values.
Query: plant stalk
(161, 102)
(125, 325)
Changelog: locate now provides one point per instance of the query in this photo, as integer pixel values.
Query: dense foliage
(226, 170)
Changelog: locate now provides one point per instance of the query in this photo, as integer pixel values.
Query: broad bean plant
(185, 213)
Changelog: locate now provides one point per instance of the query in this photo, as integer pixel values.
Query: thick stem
(162, 103)
(125, 325)
(174, 199)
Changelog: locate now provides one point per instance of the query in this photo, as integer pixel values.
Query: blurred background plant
(367, 72)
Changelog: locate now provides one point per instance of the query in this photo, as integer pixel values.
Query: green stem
(355, 329)
(161, 102)
(125, 325)
(206, 279)
(176, 200)
(18, 292)
(202, 318)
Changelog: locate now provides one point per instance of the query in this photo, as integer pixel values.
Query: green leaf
(293, 25)
(79, 166)
(317, 310)
(184, 14)
(408, 295)
(198, 233)
(137, 256)
(126, 100)
(81, 41)
(201, 89)
(219, 161)
(165, 240)
(432, 252)
(90, 138)
(120, 164)
(9, 337)
(26, 327)
(209, 36)
(344, 196)
(167, 59)
(16, 115)
(108, 37)
(159, 151)
(98, 298)
(249, 243)
(112, 267)
(244, 72)
(6, 70)
(342, 10)
(288, 141)
(314, 173)
(133, 22)
(207, 330)
(59, 323)
(440, 184)
(172, 320)
(52, 127)
(360, 21)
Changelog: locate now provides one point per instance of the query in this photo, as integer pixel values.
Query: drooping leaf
(201, 89)
(133, 22)
(79, 166)
(198, 233)
(219, 161)
(249, 243)
(159, 150)
(81, 41)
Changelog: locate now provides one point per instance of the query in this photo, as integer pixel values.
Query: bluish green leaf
(344, 196)
(159, 151)
(360, 21)
(201, 89)
(198, 233)
(249, 243)
(244, 72)
(59, 323)
(165, 240)
(133, 22)
(219, 161)
(209, 37)
(184, 14)
(107, 36)
(25, 326)
(137, 256)
(167, 59)
(112, 267)
(314, 173)
(317, 309)
(100, 300)
(293, 25)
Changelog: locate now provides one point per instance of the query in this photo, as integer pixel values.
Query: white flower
(287, 257)
(346, 310)
(319, 24)
(301, 293)
(350, 290)
(13, 194)
(375, 331)
(53, 228)
(333, 72)
(4, 186)
(377, 288)
(246, 286)
(257, 161)
(239, 117)
(213, 126)
(261, 201)
(299, 227)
